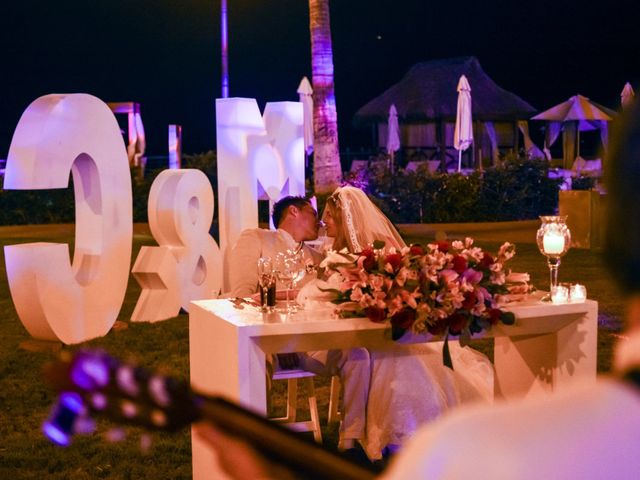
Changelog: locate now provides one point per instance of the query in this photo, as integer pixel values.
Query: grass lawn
(25, 399)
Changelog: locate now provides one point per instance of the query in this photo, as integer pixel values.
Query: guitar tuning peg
(146, 442)
(84, 425)
(115, 435)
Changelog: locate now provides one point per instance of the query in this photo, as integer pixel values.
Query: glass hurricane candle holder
(553, 239)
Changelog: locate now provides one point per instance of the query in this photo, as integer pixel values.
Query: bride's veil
(363, 221)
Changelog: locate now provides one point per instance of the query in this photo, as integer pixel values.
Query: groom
(297, 222)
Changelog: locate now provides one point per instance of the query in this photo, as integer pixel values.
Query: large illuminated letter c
(54, 298)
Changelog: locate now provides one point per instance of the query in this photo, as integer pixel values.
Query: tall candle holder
(553, 239)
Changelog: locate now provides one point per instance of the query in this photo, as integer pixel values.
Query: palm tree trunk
(327, 171)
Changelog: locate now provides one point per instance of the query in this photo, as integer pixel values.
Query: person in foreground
(591, 431)
(297, 222)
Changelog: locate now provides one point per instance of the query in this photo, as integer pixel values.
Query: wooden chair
(292, 376)
(335, 416)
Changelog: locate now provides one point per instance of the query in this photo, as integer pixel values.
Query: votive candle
(578, 293)
(559, 294)
(553, 242)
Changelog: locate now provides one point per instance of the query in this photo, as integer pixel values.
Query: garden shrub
(517, 190)
(22, 207)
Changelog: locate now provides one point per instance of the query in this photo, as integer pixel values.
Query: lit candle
(553, 242)
(559, 294)
(578, 293)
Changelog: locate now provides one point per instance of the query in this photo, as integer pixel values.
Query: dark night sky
(165, 54)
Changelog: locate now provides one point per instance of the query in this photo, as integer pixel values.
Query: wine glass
(300, 268)
(267, 282)
(286, 272)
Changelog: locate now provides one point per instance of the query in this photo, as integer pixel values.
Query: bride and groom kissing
(389, 393)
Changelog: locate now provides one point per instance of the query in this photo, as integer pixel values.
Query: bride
(409, 384)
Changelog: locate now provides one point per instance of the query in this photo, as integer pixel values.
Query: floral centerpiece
(444, 288)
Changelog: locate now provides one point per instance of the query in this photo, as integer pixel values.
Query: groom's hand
(288, 361)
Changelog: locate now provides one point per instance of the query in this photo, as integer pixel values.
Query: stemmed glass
(286, 272)
(266, 280)
(300, 270)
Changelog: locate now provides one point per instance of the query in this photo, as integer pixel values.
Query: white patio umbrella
(626, 96)
(305, 93)
(393, 133)
(463, 133)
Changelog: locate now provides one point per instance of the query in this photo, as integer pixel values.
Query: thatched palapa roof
(428, 92)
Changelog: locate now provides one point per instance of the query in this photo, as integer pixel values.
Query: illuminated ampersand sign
(188, 264)
(55, 298)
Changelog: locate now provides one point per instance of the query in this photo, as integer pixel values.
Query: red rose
(469, 301)
(438, 327)
(376, 314)
(443, 246)
(459, 264)
(416, 250)
(369, 259)
(394, 259)
(367, 252)
(487, 260)
(494, 315)
(404, 318)
(457, 322)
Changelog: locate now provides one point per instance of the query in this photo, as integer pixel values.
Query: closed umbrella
(463, 133)
(393, 133)
(305, 93)
(626, 97)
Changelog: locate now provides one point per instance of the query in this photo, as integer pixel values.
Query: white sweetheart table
(548, 347)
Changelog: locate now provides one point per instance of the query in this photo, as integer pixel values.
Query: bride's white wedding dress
(410, 386)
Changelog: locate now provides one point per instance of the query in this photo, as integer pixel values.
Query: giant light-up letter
(187, 264)
(258, 158)
(55, 298)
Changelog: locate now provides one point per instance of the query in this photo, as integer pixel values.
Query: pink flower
(472, 276)
(376, 281)
(356, 294)
(448, 276)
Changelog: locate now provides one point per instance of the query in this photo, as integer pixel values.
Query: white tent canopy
(571, 117)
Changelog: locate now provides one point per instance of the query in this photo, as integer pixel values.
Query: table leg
(226, 363)
(529, 364)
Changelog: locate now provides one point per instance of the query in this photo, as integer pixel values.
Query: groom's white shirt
(252, 244)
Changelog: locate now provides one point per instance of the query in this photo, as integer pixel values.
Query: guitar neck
(279, 444)
(94, 382)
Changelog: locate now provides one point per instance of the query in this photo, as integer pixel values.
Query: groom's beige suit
(353, 366)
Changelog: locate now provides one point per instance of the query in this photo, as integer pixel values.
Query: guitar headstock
(93, 382)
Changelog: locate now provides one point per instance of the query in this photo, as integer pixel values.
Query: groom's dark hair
(280, 207)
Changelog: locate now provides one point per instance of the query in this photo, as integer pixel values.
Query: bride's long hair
(359, 222)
